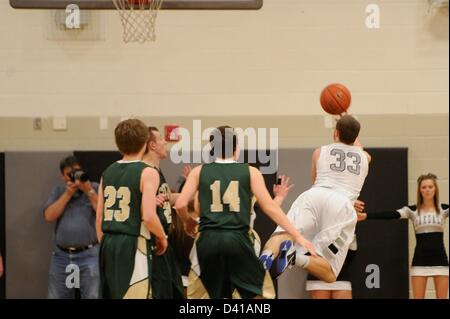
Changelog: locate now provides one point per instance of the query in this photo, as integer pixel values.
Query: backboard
(167, 4)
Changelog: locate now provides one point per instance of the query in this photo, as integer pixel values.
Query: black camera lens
(79, 175)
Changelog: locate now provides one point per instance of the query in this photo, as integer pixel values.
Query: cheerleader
(428, 217)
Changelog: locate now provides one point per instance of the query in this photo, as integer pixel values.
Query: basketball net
(138, 19)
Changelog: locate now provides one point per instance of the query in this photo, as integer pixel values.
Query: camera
(78, 174)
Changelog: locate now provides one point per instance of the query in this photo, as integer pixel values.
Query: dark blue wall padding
(384, 242)
(30, 176)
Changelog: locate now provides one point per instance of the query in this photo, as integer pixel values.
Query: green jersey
(165, 212)
(225, 196)
(122, 198)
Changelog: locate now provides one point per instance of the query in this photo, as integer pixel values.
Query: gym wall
(248, 69)
(222, 63)
(29, 237)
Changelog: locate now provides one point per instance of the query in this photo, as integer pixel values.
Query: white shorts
(312, 285)
(430, 271)
(327, 219)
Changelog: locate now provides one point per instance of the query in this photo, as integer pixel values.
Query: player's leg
(248, 277)
(441, 286)
(419, 285)
(320, 294)
(335, 218)
(280, 241)
(195, 288)
(161, 279)
(317, 266)
(126, 265)
(204, 281)
(341, 294)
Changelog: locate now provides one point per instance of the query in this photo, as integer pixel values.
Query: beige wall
(222, 62)
(258, 68)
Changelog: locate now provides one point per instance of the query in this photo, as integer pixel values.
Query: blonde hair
(433, 178)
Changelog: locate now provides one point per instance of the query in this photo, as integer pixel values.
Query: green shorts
(125, 267)
(166, 276)
(228, 267)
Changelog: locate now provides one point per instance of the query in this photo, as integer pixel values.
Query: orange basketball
(335, 99)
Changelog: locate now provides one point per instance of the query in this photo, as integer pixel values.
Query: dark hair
(69, 161)
(221, 139)
(131, 136)
(348, 128)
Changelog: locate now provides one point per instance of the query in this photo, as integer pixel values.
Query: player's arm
(270, 207)
(99, 212)
(149, 182)
(282, 189)
(188, 192)
(196, 204)
(173, 198)
(315, 158)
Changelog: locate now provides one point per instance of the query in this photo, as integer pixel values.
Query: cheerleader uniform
(430, 258)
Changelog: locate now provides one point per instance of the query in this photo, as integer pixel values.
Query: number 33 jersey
(343, 168)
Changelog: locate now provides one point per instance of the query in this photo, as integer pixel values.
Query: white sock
(302, 261)
(267, 253)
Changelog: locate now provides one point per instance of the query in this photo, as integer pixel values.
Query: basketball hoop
(138, 19)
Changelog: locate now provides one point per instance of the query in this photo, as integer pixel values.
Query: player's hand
(282, 190)
(307, 245)
(361, 216)
(85, 187)
(161, 245)
(359, 206)
(191, 227)
(160, 200)
(71, 188)
(186, 171)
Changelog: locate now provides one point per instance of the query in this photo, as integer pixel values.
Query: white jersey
(343, 168)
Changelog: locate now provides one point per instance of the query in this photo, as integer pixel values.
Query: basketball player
(183, 243)
(325, 213)
(223, 246)
(166, 277)
(126, 215)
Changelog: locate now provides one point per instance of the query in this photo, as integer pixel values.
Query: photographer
(72, 206)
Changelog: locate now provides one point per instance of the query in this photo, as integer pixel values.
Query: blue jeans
(60, 274)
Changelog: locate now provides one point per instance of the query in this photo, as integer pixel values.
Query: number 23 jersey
(121, 183)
